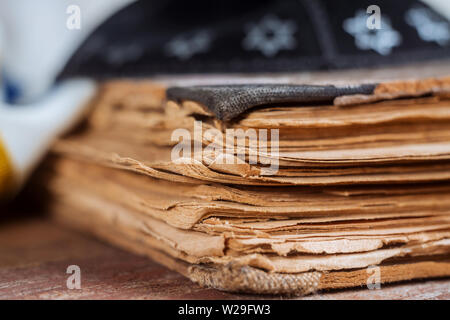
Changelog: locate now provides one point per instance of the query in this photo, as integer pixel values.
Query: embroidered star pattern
(382, 40)
(183, 47)
(428, 28)
(270, 36)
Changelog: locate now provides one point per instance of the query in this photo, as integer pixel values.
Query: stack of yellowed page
(285, 197)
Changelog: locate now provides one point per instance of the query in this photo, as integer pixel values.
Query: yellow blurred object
(6, 173)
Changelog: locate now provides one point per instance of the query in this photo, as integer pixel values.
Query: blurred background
(53, 52)
(45, 40)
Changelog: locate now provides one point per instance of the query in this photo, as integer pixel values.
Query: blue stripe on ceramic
(11, 90)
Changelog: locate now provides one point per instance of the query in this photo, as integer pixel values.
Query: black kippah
(204, 36)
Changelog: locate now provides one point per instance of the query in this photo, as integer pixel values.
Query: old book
(356, 178)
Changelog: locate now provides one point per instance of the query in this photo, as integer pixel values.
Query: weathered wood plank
(35, 254)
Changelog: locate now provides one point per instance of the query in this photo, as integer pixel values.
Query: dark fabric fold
(229, 101)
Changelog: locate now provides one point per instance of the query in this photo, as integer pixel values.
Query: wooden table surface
(35, 254)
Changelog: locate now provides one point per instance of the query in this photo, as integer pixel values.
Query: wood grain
(35, 253)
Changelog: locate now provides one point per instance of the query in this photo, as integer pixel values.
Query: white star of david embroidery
(184, 47)
(428, 29)
(380, 40)
(270, 36)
